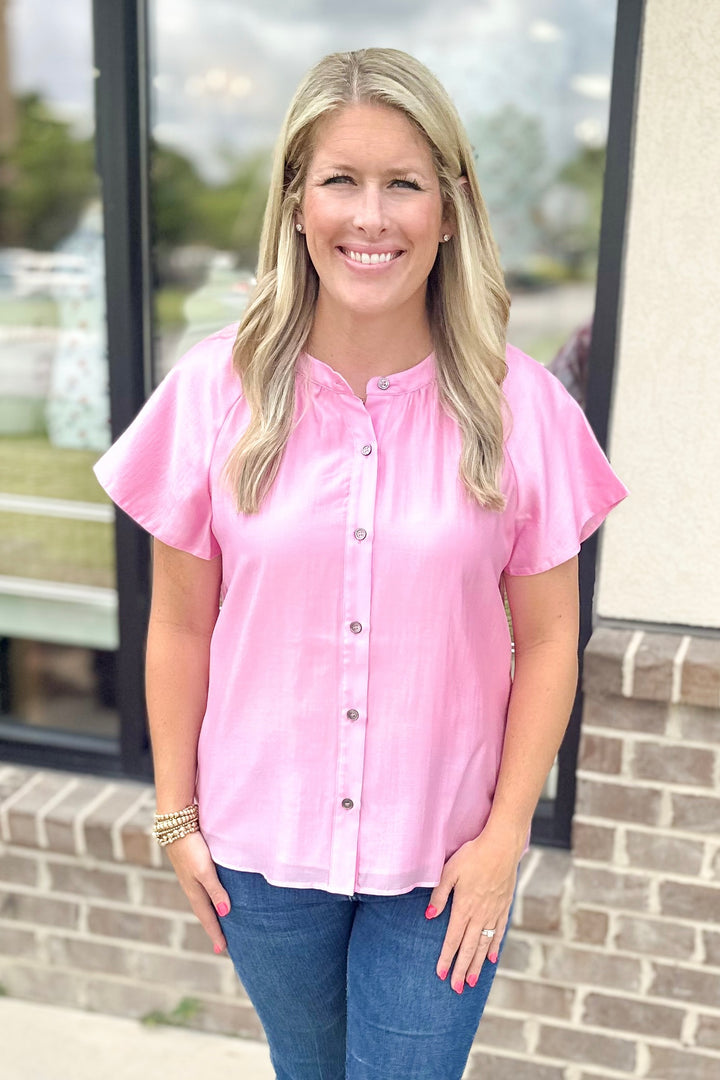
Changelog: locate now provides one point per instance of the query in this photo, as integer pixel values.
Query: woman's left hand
(482, 874)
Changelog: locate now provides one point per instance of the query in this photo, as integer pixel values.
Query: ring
(488, 933)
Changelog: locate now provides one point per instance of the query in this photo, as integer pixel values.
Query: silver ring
(488, 933)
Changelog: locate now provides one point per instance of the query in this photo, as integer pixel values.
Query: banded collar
(401, 382)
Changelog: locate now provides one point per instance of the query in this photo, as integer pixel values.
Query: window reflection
(58, 619)
(530, 80)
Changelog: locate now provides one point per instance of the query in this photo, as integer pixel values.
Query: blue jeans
(345, 986)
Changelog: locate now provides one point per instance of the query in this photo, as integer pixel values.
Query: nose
(370, 211)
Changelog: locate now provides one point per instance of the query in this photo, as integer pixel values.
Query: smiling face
(372, 212)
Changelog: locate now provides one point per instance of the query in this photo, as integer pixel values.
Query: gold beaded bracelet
(173, 826)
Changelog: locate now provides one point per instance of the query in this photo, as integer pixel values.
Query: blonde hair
(467, 302)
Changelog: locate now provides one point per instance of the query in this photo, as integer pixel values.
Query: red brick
(12, 778)
(708, 1032)
(590, 926)
(164, 892)
(689, 901)
(516, 954)
(182, 972)
(696, 813)
(125, 998)
(36, 908)
(609, 888)
(653, 666)
(669, 1064)
(685, 984)
(627, 1014)
(696, 723)
(15, 941)
(701, 673)
(19, 869)
(658, 937)
(542, 891)
(564, 963)
(600, 754)
(138, 842)
(37, 982)
(60, 821)
(98, 824)
(525, 996)
(618, 802)
(657, 851)
(625, 714)
(86, 954)
(69, 877)
(502, 1031)
(603, 661)
(23, 814)
(129, 925)
(673, 764)
(590, 841)
(482, 1065)
(711, 946)
(194, 939)
(585, 1048)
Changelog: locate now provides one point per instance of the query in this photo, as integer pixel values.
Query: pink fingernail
(493, 959)
(472, 979)
(430, 911)
(217, 949)
(458, 988)
(222, 908)
(443, 974)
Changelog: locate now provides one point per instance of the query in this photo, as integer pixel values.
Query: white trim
(60, 508)
(30, 588)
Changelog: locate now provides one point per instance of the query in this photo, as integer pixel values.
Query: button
(383, 383)
(367, 449)
(356, 627)
(352, 714)
(348, 804)
(359, 534)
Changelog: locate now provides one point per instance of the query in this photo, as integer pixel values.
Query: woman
(354, 473)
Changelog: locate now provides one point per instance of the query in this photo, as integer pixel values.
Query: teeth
(363, 257)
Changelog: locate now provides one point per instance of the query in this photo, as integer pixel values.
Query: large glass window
(58, 621)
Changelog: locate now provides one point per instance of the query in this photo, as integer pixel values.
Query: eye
(336, 177)
(410, 183)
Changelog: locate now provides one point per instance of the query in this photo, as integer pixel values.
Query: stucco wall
(660, 557)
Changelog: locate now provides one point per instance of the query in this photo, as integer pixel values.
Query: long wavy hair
(467, 302)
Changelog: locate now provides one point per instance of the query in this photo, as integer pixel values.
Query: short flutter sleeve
(565, 485)
(158, 470)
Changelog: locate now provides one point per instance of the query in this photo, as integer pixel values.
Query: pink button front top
(360, 664)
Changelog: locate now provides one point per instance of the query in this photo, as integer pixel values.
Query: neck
(362, 348)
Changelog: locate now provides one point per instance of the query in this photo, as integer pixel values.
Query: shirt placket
(355, 636)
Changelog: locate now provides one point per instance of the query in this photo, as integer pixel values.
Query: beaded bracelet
(173, 826)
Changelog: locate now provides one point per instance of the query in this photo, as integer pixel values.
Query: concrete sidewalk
(46, 1042)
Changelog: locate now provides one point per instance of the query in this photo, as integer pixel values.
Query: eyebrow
(396, 170)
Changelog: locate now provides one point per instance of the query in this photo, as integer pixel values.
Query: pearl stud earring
(298, 226)
(446, 237)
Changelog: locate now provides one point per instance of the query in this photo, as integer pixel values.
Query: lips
(371, 258)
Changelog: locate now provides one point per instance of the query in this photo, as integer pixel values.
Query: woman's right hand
(195, 869)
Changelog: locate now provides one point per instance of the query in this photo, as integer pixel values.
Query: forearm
(176, 683)
(541, 699)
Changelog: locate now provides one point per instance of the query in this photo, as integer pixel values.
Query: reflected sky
(224, 70)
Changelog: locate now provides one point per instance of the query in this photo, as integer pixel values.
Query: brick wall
(612, 968)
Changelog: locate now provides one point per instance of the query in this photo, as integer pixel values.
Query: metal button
(356, 627)
(359, 534)
(348, 804)
(383, 383)
(352, 714)
(367, 449)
